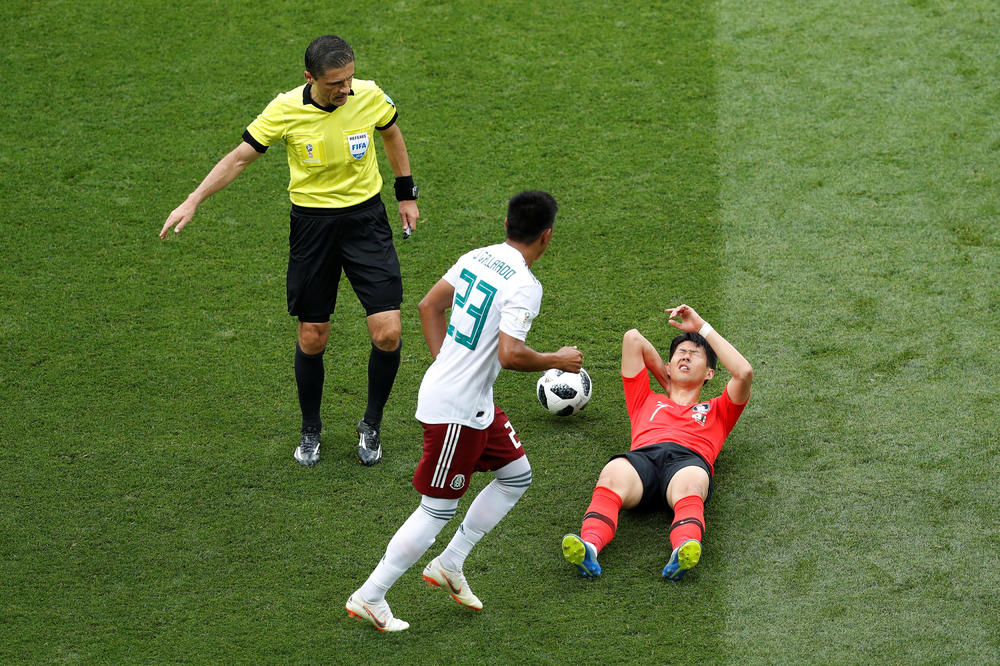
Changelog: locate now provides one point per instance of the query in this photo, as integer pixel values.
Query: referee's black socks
(382, 369)
(309, 381)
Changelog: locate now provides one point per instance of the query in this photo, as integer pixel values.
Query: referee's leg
(372, 266)
(385, 329)
(309, 372)
(309, 377)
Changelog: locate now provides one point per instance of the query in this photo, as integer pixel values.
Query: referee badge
(358, 143)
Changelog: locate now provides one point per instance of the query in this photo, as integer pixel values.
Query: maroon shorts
(453, 452)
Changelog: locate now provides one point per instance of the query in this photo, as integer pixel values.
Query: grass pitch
(819, 181)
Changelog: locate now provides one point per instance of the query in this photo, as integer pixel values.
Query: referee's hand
(178, 218)
(408, 214)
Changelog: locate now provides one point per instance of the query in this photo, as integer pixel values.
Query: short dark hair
(529, 214)
(710, 357)
(327, 52)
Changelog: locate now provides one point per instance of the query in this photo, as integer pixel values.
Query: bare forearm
(433, 309)
(222, 174)
(638, 352)
(651, 359)
(435, 328)
(395, 152)
(515, 355)
(527, 359)
(731, 359)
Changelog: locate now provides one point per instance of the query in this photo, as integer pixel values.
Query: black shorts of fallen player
(657, 464)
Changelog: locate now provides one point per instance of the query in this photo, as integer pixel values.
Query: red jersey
(655, 418)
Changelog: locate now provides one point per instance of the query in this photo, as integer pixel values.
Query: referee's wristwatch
(406, 189)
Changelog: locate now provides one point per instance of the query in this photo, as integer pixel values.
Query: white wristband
(705, 329)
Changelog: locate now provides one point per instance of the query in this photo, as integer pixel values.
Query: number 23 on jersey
(475, 301)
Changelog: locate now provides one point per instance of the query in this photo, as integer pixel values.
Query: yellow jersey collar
(307, 100)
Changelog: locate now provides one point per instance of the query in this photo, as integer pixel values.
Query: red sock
(689, 520)
(601, 520)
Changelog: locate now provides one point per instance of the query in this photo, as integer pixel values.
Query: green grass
(818, 179)
(871, 190)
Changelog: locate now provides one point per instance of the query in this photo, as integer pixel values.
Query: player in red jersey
(676, 438)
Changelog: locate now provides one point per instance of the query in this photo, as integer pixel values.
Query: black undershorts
(657, 464)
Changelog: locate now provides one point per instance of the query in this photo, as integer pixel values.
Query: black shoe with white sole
(307, 452)
(369, 444)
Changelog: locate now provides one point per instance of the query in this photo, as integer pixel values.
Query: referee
(338, 223)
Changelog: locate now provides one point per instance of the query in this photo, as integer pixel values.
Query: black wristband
(405, 189)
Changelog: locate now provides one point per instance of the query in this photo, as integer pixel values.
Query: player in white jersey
(493, 298)
(495, 290)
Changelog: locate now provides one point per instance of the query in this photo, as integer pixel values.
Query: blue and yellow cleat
(684, 557)
(581, 554)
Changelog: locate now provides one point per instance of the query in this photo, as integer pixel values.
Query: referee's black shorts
(357, 240)
(657, 464)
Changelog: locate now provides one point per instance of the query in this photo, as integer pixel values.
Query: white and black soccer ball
(564, 393)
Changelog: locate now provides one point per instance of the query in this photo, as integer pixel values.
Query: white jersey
(494, 291)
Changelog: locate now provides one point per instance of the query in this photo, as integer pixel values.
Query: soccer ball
(564, 393)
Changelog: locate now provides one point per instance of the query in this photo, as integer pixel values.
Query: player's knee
(386, 335)
(621, 478)
(515, 487)
(385, 329)
(313, 337)
(439, 508)
(696, 488)
(387, 341)
(514, 479)
(613, 475)
(689, 481)
(689, 489)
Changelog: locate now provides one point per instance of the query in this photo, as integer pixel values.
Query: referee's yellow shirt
(331, 153)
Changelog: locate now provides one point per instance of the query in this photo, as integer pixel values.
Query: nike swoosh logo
(454, 590)
(378, 623)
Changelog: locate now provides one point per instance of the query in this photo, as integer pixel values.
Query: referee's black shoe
(369, 444)
(307, 452)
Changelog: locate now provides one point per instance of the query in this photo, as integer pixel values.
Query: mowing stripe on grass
(858, 144)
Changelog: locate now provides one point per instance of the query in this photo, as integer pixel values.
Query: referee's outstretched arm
(221, 175)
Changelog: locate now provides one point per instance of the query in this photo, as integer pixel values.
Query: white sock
(490, 506)
(408, 544)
